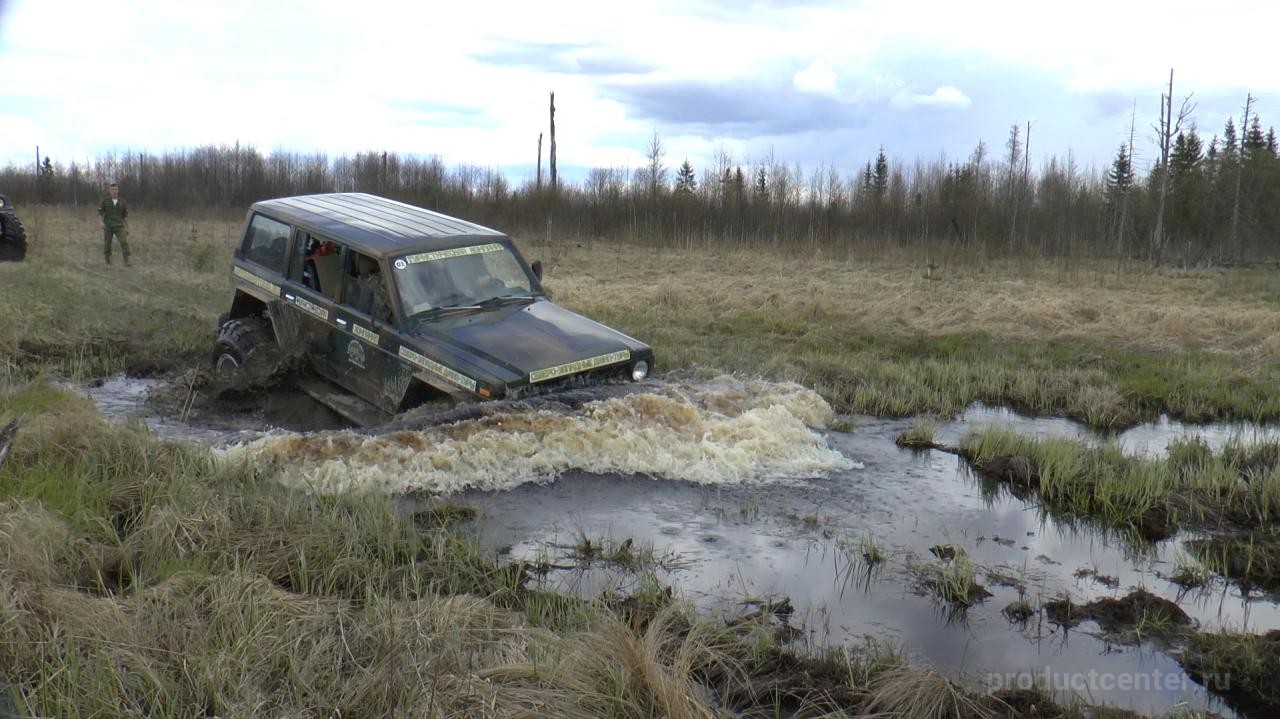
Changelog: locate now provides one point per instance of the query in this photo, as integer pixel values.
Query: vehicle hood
(519, 339)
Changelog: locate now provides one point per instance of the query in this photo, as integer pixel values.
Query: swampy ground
(743, 536)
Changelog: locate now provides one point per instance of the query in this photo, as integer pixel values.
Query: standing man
(114, 216)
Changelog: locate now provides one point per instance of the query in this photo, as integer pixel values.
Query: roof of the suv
(369, 223)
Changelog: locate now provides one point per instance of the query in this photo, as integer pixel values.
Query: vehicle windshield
(464, 276)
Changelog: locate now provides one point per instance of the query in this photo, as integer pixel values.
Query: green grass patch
(1153, 497)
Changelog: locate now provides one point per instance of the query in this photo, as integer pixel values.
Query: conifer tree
(880, 177)
(686, 183)
(762, 185)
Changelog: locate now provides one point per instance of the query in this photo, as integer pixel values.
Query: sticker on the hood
(446, 254)
(434, 367)
(543, 375)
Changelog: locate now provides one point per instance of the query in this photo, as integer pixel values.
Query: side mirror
(537, 269)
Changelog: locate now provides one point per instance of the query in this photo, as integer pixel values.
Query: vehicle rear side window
(267, 242)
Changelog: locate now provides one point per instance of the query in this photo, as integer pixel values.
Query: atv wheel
(241, 347)
(13, 239)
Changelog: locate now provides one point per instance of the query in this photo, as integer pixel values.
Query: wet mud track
(736, 502)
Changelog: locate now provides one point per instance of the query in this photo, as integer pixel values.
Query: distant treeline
(1222, 204)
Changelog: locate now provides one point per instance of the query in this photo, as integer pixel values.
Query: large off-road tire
(244, 350)
(13, 239)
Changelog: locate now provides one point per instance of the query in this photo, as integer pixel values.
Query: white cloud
(945, 96)
(155, 74)
(817, 78)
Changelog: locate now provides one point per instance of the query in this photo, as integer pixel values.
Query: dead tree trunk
(1026, 185)
(1235, 208)
(553, 143)
(1168, 128)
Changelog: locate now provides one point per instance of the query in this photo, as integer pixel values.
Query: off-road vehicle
(398, 305)
(13, 236)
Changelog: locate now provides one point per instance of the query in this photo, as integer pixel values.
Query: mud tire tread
(246, 337)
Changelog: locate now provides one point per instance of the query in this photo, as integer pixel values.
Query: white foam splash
(721, 432)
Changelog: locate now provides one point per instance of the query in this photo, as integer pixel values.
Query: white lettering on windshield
(446, 254)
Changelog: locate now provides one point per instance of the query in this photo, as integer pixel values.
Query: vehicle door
(363, 345)
(315, 273)
(262, 259)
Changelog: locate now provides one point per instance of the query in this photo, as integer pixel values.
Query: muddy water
(740, 500)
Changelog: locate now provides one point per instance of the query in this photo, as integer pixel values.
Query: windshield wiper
(447, 309)
(504, 299)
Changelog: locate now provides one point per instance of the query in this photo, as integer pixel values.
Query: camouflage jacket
(113, 215)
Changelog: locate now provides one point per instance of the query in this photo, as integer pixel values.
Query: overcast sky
(812, 81)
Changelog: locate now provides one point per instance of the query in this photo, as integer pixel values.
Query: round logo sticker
(401, 264)
(355, 353)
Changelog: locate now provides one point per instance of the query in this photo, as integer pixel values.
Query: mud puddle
(179, 409)
(725, 491)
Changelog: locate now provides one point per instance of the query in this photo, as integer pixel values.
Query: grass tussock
(1191, 487)
(954, 581)
(1240, 667)
(908, 692)
(919, 435)
(1252, 559)
(1139, 614)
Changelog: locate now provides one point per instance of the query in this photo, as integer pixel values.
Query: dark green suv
(399, 305)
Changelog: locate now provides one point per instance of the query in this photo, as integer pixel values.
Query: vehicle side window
(267, 242)
(366, 289)
(321, 265)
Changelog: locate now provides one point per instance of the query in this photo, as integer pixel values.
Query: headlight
(639, 370)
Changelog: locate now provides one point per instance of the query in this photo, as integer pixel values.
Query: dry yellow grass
(1121, 303)
(1127, 304)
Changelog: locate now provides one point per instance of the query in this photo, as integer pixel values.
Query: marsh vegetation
(153, 577)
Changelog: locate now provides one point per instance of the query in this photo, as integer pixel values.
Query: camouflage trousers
(122, 235)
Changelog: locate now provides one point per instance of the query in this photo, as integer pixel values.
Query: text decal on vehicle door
(256, 281)
(311, 308)
(437, 368)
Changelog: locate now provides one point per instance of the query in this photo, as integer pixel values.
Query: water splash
(724, 431)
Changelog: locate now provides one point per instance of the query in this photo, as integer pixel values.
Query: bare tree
(1168, 128)
(656, 170)
(539, 185)
(1235, 208)
(1014, 145)
(1026, 182)
(554, 183)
